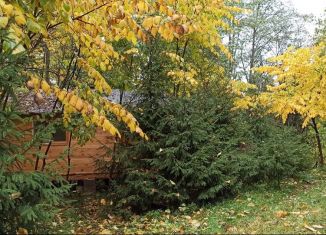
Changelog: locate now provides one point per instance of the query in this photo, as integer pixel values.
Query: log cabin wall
(82, 158)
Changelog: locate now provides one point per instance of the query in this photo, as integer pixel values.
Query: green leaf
(44, 2)
(66, 7)
(33, 26)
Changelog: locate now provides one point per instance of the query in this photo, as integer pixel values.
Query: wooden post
(69, 159)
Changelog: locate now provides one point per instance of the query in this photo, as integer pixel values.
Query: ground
(299, 206)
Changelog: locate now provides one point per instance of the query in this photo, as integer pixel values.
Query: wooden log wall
(82, 158)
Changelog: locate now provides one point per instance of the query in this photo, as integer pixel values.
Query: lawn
(299, 206)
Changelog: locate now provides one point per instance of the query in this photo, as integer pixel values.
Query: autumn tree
(69, 49)
(299, 87)
(41, 28)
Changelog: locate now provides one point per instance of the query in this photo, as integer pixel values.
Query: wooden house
(72, 160)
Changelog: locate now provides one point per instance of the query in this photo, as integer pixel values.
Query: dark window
(59, 135)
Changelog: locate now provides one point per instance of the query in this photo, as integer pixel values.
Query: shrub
(279, 151)
(200, 150)
(27, 199)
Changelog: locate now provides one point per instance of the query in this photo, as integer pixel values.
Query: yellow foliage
(243, 100)
(125, 116)
(7, 8)
(184, 74)
(45, 87)
(300, 79)
(99, 81)
(94, 26)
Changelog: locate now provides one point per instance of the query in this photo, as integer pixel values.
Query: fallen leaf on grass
(232, 229)
(295, 212)
(286, 224)
(281, 214)
(103, 202)
(105, 231)
(195, 223)
(311, 229)
(317, 226)
(300, 213)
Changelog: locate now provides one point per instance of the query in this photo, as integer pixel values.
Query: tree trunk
(252, 56)
(319, 145)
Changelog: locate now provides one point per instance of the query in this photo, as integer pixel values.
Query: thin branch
(80, 16)
(85, 22)
(5, 102)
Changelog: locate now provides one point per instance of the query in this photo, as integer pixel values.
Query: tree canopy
(91, 28)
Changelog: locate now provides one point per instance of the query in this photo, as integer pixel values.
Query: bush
(27, 199)
(276, 152)
(200, 150)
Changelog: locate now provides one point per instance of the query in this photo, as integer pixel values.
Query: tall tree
(267, 29)
(320, 33)
(299, 87)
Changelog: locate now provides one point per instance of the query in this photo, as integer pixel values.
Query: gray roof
(27, 105)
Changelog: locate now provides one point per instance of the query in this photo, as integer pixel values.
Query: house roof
(27, 105)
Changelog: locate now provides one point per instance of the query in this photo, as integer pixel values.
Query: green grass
(296, 208)
(299, 206)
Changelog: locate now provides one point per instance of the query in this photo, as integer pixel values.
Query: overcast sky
(314, 7)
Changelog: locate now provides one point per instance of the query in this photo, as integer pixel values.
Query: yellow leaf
(148, 23)
(62, 95)
(79, 104)
(22, 231)
(154, 31)
(3, 22)
(157, 20)
(73, 100)
(132, 127)
(103, 66)
(132, 37)
(141, 6)
(8, 9)
(45, 87)
(20, 19)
